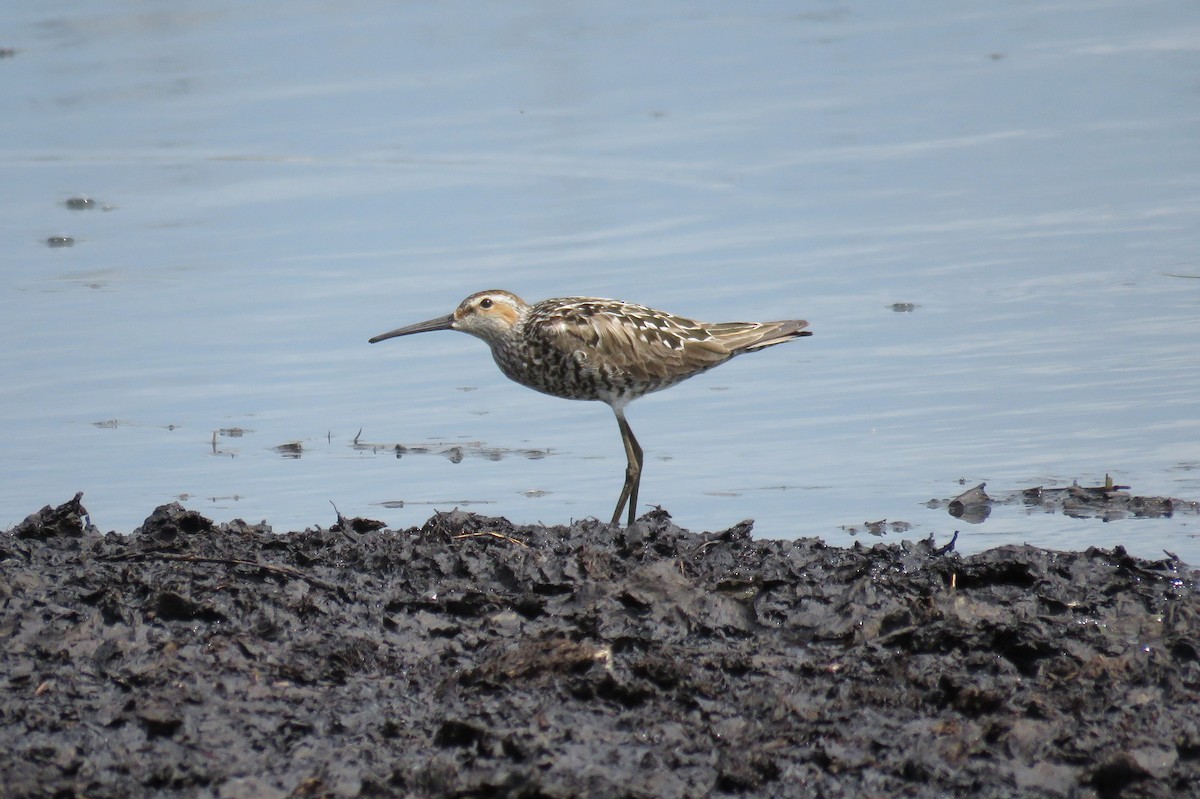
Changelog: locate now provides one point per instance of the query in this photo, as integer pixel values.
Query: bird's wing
(741, 337)
(638, 343)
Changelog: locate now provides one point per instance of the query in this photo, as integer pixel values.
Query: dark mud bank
(470, 657)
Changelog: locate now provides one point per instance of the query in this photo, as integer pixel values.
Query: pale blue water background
(284, 180)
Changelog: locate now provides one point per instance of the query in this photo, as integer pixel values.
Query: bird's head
(490, 315)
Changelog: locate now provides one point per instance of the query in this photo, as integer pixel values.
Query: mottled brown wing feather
(637, 343)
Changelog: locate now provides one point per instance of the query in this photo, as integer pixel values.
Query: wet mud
(471, 657)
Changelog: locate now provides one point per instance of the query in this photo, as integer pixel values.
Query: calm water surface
(275, 183)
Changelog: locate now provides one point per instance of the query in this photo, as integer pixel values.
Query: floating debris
(292, 449)
(1107, 502)
(436, 503)
(455, 451)
(879, 528)
(972, 505)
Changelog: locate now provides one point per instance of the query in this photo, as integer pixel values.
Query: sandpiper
(586, 348)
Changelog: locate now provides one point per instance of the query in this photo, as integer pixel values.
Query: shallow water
(275, 184)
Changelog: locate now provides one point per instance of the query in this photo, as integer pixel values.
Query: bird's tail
(745, 336)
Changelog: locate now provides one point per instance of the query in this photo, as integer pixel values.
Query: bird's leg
(633, 471)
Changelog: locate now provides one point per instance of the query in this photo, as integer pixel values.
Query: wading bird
(586, 348)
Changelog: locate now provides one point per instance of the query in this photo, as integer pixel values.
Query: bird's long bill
(441, 323)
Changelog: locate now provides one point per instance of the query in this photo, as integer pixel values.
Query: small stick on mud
(501, 536)
(343, 524)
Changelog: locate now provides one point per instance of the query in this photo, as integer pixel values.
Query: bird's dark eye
(485, 303)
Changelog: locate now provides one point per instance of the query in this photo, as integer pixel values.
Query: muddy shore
(470, 657)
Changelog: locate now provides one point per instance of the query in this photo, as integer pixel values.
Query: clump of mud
(470, 657)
